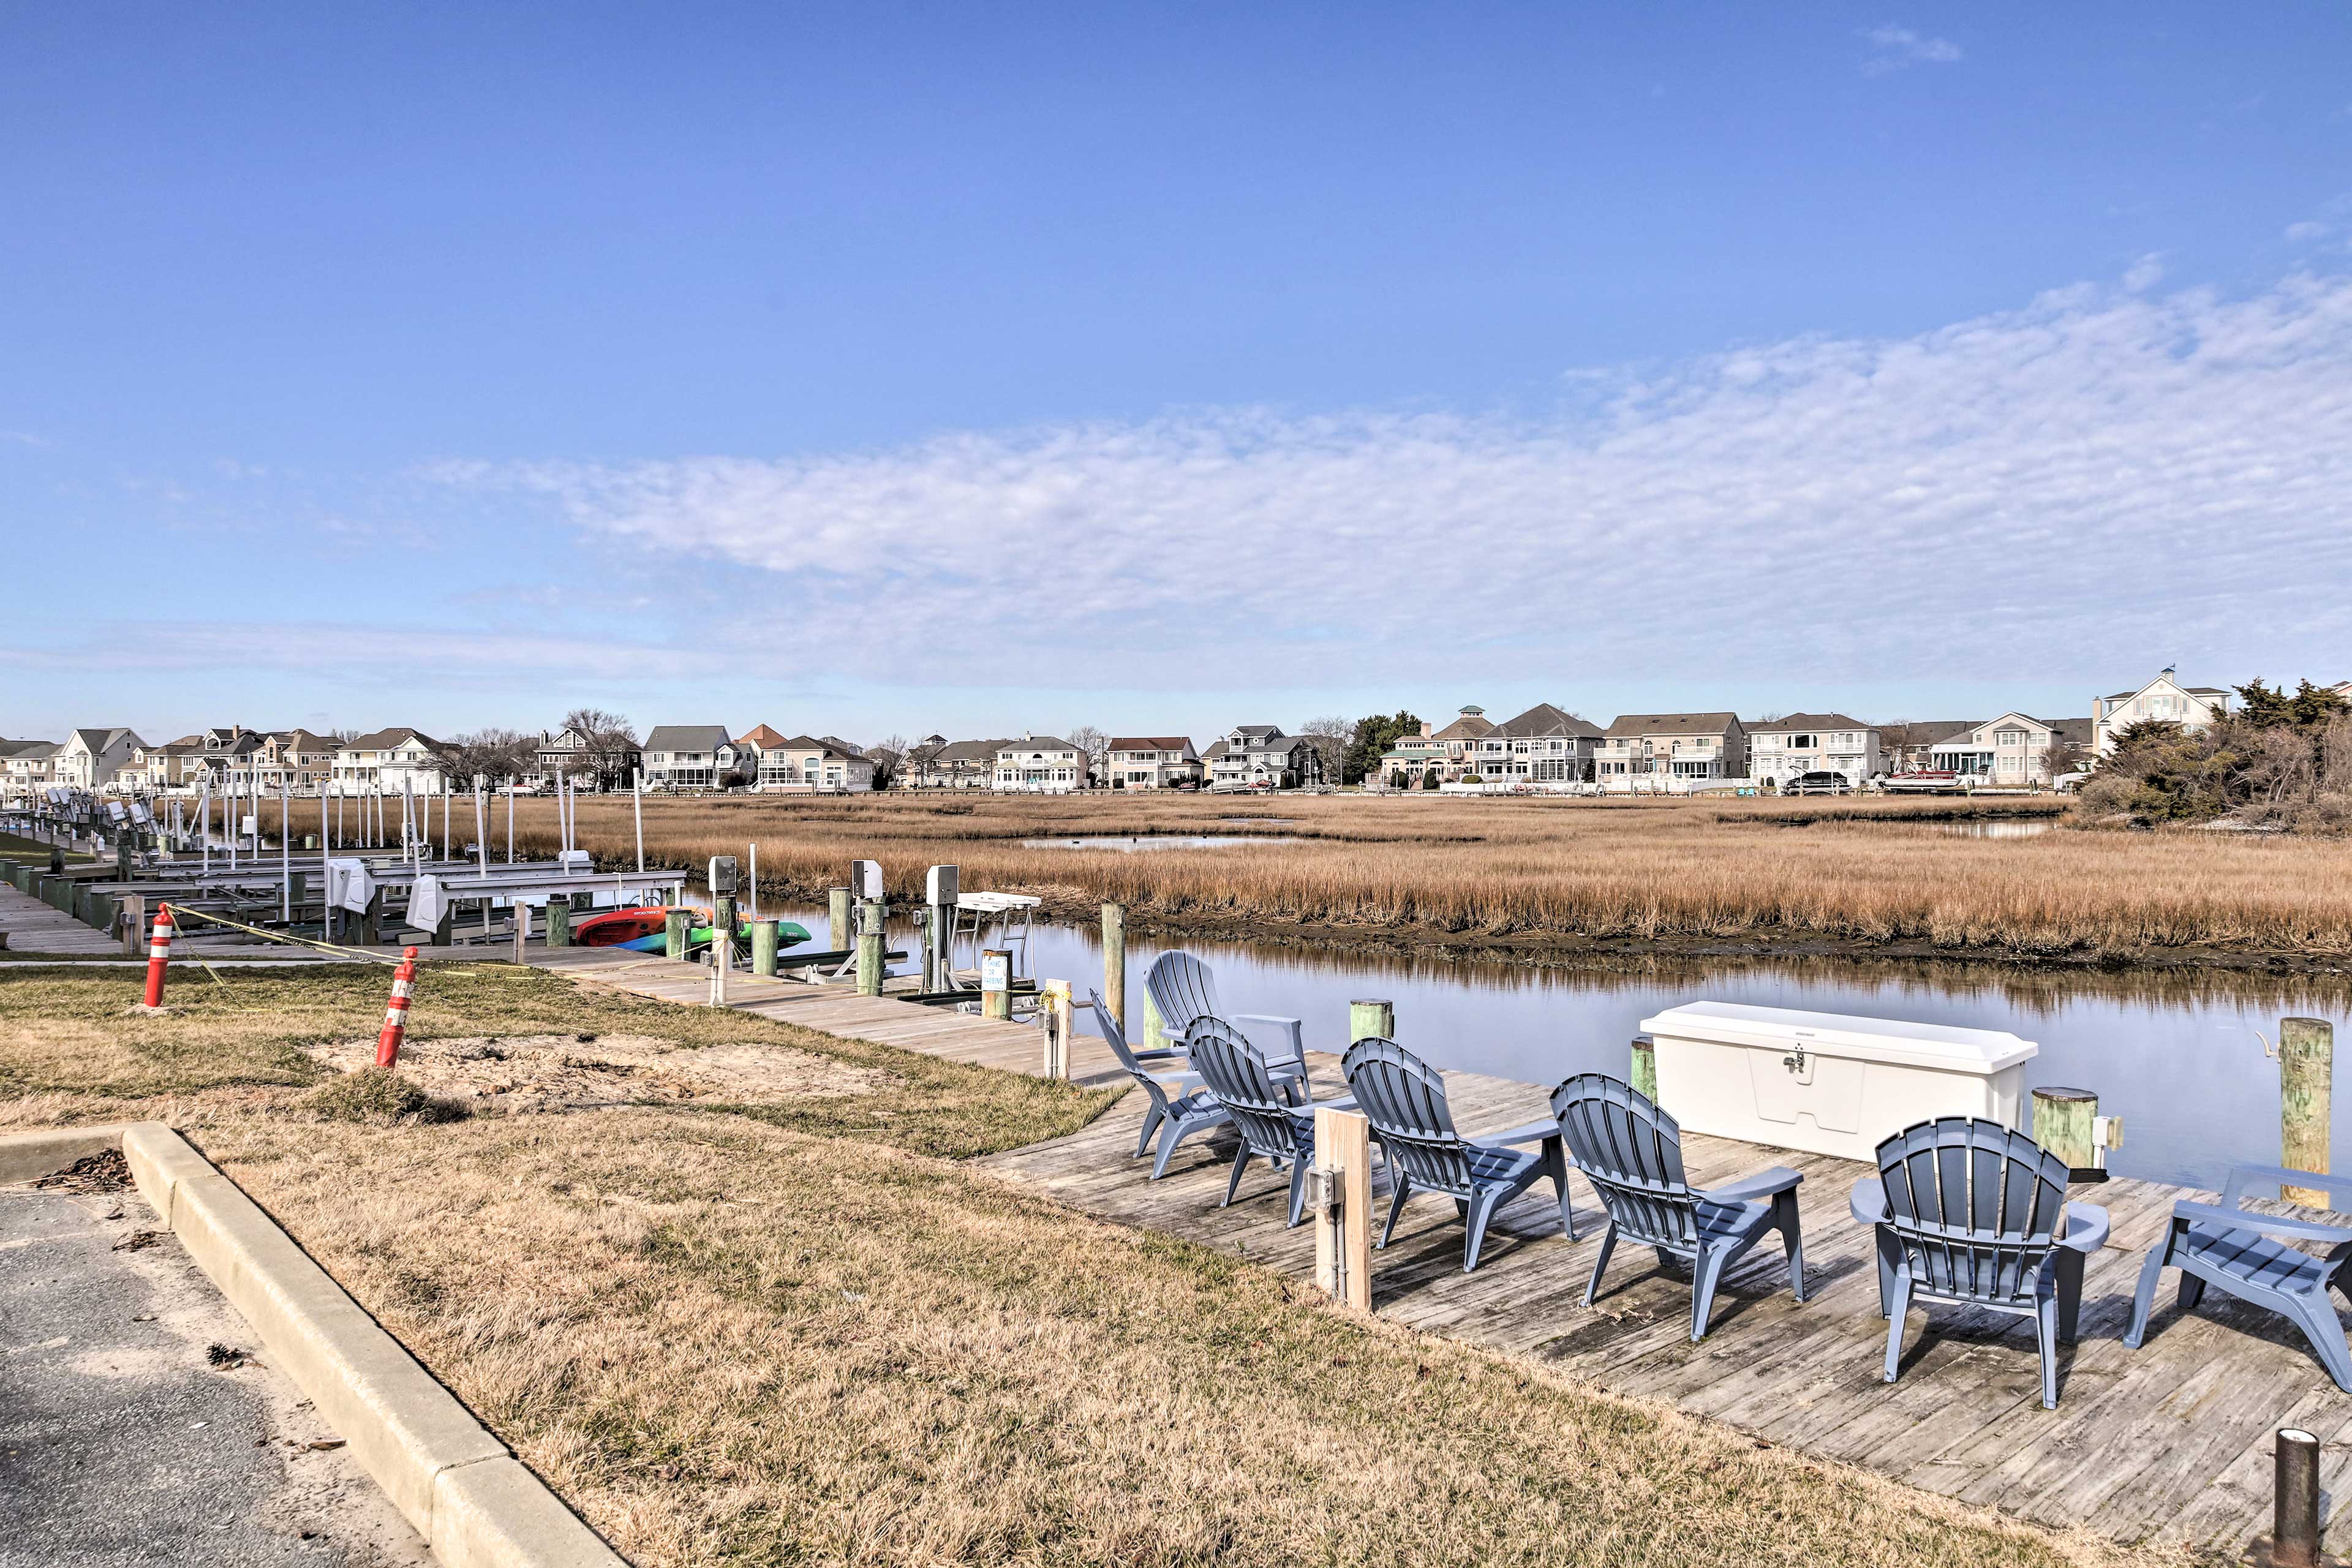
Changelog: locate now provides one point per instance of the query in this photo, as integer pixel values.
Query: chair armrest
(1868, 1203)
(2267, 1223)
(1170, 1054)
(2234, 1191)
(1762, 1185)
(1533, 1132)
(2086, 1228)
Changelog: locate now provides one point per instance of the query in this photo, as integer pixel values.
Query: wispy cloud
(2099, 472)
(1893, 47)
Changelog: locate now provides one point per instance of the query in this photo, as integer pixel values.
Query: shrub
(378, 1097)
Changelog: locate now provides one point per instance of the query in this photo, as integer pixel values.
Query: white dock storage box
(1827, 1082)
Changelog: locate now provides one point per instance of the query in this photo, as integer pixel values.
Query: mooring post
(2306, 1051)
(1342, 1203)
(870, 918)
(1643, 1074)
(134, 921)
(2062, 1124)
(2295, 1510)
(1371, 1020)
(674, 929)
(559, 922)
(764, 947)
(1113, 932)
(837, 916)
(522, 924)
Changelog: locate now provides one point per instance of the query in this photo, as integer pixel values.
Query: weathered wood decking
(2169, 1444)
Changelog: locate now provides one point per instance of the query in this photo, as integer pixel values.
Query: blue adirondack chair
(1403, 1098)
(1270, 1125)
(1183, 988)
(1179, 1107)
(2230, 1249)
(1969, 1212)
(1632, 1152)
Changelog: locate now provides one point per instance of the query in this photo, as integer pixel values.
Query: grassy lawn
(799, 1331)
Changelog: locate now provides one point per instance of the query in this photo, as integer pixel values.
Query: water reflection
(2177, 1054)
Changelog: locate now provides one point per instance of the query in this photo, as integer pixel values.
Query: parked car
(1818, 783)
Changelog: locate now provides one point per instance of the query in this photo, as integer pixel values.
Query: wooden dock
(35, 927)
(2168, 1444)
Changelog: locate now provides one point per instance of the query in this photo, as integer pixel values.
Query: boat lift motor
(939, 890)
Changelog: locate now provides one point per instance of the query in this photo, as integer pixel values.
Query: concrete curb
(475, 1503)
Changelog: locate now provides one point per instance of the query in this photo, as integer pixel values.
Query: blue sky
(891, 369)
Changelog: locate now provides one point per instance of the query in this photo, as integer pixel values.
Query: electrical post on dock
(941, 887)
(722, 925)
(996, 983)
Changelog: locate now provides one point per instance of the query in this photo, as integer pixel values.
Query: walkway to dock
(35, 927)
(2170, 1444)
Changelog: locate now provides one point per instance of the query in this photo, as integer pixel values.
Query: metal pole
(286, 852)
(637, 804)
(511, 822)
(755, 881)
(481, 828)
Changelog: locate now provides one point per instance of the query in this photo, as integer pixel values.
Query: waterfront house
(1647, 749)
(809, 764)
(1451, 752)
(1783, 751)
(2015, 750)
(2164, 699)
(691, 756)
(609, 760)
(1544, 745)
(1042, 764)
(1411, 760)
(297, 761)
(937, 763)
(1906, 747)
(1261, 755)
(93, 759)
(1153, 762)
(28, 767)
(396, 761)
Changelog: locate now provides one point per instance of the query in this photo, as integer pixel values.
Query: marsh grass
(1838, 871)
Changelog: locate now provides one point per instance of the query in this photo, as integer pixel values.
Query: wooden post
(869, 948)
(522, 925)
(134, 921)
(1644, 1071)
(1371, 1020)
(2064, 1119)
(837, 917)
(1055, 999)
(764, 947)
(1155, 1033)
(674, 929)
(2306, 1051)
(722, 920)
(995, 983)
(2294, 1502)
(1343, 1239)
(559, 922)
(1114, 929)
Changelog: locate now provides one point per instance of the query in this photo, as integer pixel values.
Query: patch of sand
(521, 1073)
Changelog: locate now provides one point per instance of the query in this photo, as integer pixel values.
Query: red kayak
(615, 928)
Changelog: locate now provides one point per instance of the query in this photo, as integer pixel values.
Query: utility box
(722, 875)
(865, 880)
(939, 885)
(1827, 1082)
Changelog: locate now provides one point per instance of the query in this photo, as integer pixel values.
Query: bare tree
(496, 755)
(608, 744)
(1094, 744)
(886, 754)
(1330, 736)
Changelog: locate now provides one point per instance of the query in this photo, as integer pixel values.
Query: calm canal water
(2179, 1057)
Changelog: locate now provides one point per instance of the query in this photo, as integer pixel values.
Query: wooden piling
(559, 922)
(764, 947)
(1371, 1020)
(1114, 932)
(522, 926)
(870, 916)
(1155, 1033)
(1343, 1247)
(1054, 998)
(2064, 1119)
(1644, 1073)
(838, 934)
(2307, 1050)
(674, 926)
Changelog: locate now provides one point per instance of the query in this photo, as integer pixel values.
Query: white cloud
(1893, 47)
(2144, 274)
(2297, 233)
(2100, 475)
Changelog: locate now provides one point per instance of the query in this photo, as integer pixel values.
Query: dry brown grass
(1863, 872)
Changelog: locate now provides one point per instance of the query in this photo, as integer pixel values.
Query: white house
(2015, 750)
(1782, 750)
(90, 759)
(692, 756)
(2163, 698)
(1544, 745)
(937, 763)
(397, 761)
(28, 767)
(1042, 764)
(1153, 762)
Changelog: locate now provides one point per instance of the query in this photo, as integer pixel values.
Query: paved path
(120, 1442)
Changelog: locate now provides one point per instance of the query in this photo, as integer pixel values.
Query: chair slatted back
(1235, 1073)
(1977, 1205)
(1115, 1037)
(1182, 989)
(1404, 1099)
(1632, 1152)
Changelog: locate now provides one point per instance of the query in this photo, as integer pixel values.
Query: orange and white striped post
(159, 954)
(396, 1014)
